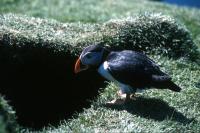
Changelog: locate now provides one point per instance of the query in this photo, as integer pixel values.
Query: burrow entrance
(42, 87)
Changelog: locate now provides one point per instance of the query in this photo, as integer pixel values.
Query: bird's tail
(172, 86)
(163, 82)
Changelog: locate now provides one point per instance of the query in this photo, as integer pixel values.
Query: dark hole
(42, 87)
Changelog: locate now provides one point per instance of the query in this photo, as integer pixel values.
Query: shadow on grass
(152, 108)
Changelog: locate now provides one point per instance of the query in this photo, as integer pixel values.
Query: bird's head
(91, 56)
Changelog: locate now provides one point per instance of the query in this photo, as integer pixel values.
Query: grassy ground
(154, 111)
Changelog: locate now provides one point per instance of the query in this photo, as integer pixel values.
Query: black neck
(105, 54)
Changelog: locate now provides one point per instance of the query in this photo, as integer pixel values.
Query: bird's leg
(116, 102)
(124, 98)
(119, 101)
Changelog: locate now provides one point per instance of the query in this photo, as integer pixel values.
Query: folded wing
(135, 69)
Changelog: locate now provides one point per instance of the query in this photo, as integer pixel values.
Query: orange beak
(79, 66)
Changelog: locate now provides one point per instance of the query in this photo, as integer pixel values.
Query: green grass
(91, 11)
(154, 111)
(147, 32)
(89, 21)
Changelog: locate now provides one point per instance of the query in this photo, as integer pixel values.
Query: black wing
(134, 68)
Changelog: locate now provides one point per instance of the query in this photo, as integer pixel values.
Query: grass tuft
(152, 32)
(8, 122)
(148, 32)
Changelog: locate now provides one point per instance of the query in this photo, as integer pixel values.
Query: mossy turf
(168, 37)
(147, 32)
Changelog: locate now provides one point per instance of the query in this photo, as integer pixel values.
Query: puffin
(130, 70)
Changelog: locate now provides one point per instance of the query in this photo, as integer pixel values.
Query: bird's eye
(88, 56)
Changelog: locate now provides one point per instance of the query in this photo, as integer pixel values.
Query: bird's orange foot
(116, 102)
(121, 94)
(132, 96)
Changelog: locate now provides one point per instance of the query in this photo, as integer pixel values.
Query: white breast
(103, 70)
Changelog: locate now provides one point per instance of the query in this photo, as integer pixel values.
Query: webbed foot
(116, 102)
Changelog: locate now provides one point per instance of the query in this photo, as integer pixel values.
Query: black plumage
(130, 70)
(138, 71)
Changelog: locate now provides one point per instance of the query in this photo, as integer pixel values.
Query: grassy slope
(180, 109)
(155, 111)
